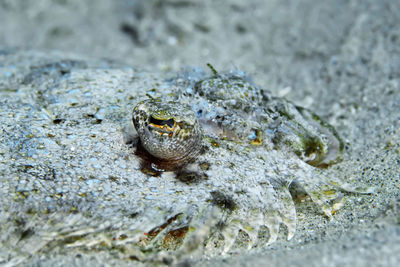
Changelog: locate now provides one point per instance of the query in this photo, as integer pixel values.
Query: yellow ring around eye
(163, 127)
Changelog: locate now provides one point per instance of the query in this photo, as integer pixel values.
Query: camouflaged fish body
(246, 148)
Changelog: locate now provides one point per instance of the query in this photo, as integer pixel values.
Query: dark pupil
(169, 122)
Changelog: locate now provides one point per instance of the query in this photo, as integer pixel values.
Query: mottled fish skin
(246, 147)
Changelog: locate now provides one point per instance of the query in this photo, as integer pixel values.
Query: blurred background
(299, 49)
(258, 36)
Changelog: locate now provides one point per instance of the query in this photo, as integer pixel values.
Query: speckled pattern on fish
(79, 179)
(254, 147)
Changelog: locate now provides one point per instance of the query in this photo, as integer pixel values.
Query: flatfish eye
(161, 123)
(168, 131)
